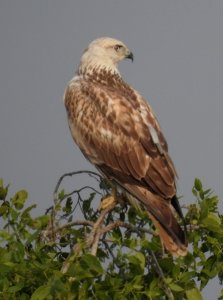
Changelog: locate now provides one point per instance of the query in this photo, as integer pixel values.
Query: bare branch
(94, 247)
(70, 175)
(93, 238)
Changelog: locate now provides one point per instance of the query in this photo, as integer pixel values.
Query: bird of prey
(118, 132)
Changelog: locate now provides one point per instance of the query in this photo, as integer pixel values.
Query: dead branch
(70, 175)
(93, 238)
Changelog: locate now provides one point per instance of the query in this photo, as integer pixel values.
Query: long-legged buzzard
(117, 131)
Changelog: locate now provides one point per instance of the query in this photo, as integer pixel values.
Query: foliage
(76, 251)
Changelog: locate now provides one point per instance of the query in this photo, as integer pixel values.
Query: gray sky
(178, 67)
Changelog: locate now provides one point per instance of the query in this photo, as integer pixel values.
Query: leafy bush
(77, 251)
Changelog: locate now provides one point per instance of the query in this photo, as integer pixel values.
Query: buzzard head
(106, 52)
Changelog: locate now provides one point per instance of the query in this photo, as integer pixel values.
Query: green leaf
(194, 294)
(138, 259)
(4, 208)
(213, 203)
(187, 276)
(83, 291)
(92, 263)
(198, 184)
(5, 235)
(204, 209)
(68, 206)
(175, 287)
(153, 290)
(16, 288)
(87, 267)
(41, 222)
(194, 191)
(213, 222)
(211, 267)
(117, 235)
(5, 268)
(61, 195)
(87, 204)
(3, 190)
(25, 216)
(19, 199)
(41, 293)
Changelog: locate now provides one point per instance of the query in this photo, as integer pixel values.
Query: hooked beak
(130, 56)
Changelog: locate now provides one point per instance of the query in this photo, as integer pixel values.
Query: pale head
(104, 53)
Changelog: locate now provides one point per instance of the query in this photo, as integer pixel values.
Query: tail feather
(175, 246)
(161, 212)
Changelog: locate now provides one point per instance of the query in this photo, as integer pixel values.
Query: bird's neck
(100, 74)
(91, 69)
(91, 64)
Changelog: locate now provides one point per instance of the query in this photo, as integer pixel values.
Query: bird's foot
(107, 201)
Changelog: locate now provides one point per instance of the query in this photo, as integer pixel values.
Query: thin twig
(69, 175)
(80, 190)
(119, 223)
(161, 274)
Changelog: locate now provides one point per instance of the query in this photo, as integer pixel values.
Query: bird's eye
(118, 47)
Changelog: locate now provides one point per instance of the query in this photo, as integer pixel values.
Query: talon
(107, 201)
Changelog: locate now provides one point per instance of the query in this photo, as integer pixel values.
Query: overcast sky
(178, 67)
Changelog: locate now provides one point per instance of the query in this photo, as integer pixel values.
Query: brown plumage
(118, 132)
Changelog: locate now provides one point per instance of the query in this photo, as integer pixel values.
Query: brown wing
(118, 132)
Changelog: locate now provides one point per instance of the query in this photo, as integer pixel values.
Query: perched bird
(118, 132)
